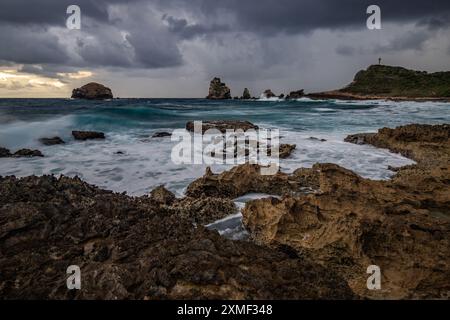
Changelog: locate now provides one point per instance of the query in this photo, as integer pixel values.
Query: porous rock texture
(132, 248)
(349, 223)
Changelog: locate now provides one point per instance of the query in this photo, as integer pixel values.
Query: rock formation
(5, 153)
(92, 91)
(132, 248)
(349, 223)
(285, 150)
(161, 134)
(247, 178)
(218, 90)
(293, 95)
(87, 135)
(51, 141)
(22, 153)
(269, 94)
(246, 94)
(27, 153)
(223, 125)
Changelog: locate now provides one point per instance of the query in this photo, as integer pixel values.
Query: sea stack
(246, 95)
(218, 90)
(92, 91)
(269, 94)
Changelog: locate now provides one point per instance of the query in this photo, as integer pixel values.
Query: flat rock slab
(87, 135)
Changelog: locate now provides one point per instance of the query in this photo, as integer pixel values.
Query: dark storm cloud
(147, 34)
(294, 16)
(24, 45)
(185, 30)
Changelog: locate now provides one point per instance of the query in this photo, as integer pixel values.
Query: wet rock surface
(161, 134)
(92, 91)
(22, 153)
(87, 135)
(285, 150)
(401, 225)
(223, 125)
(27, 153)
(132, 248)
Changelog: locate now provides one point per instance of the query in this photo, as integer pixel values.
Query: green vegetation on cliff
(381, 80)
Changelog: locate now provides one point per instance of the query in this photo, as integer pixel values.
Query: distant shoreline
(337, 95)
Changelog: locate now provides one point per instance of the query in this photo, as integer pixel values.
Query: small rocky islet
(314, 242)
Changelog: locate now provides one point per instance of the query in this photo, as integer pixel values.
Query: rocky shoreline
(314, 242)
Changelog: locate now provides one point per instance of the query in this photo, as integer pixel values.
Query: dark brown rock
(27, 153)
(51, 141)
(130, 248)
(295, 95)
(161, 135)
(87, 135)
(92, 91)
(218, 90)
(5, 153)
(285, 150)
(223, 125)
(162, 196)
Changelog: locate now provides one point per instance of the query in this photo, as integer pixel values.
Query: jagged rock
(203, 210)
(286, 150)
(27, 153)
(51, 141)
(317, 139)
(401, 225)
(130, 248)
(92, 91)
(247, 178)
(87, 135)
(281, 96)
(162, 196)
(246, 94)
(5, 153)
(293, 95)
(359, 138)
(269, 94)
(218, 90)
(223, 125)
(161, 135)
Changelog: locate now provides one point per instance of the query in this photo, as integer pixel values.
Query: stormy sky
(172, 48)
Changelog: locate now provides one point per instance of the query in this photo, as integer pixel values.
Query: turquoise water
(146, 163)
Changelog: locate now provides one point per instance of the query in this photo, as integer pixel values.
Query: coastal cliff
(396, 83)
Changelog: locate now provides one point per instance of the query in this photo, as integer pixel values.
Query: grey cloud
(413, 40)
(184, 30)
(30, 45)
